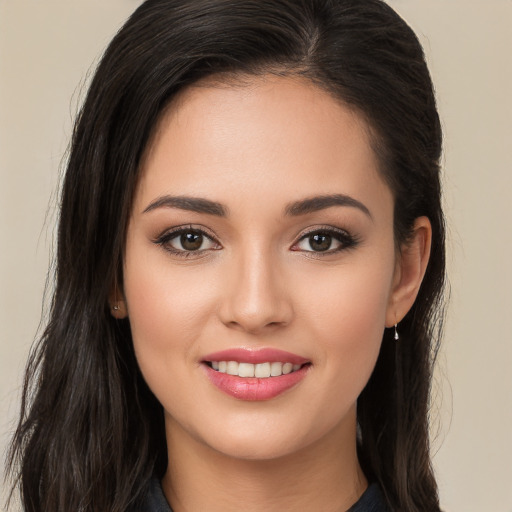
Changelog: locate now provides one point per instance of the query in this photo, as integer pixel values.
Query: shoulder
(155, 501)
(371, 501)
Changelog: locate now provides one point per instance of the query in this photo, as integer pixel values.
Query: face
(260, 266)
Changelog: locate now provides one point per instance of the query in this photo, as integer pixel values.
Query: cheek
(351, 299)
(167, 310)
(347, 314)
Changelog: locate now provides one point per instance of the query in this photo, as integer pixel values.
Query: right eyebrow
(191, 204)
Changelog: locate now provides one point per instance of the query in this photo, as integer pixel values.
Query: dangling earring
(397, 337)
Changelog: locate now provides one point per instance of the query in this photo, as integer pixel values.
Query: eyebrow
(192, 204)
(295, 209)
(314, 204)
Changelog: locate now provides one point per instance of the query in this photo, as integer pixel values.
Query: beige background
(46, 50)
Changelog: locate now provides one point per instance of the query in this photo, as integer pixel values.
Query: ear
(409, 271)
(117, 304)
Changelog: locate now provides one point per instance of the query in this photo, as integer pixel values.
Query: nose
(256, 299)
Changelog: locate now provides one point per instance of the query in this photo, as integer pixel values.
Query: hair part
(91, 433)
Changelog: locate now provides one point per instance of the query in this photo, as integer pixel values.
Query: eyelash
(346, 241)
(165, 239)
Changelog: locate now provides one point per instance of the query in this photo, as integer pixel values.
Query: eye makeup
(194, 241)
(187, 241)
(325, 240)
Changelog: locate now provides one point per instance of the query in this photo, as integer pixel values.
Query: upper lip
(256, 356)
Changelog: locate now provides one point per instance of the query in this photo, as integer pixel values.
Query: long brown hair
(91, 433)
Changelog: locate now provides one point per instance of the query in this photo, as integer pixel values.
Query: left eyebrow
(317, 203)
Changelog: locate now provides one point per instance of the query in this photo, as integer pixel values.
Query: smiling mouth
(259, 370)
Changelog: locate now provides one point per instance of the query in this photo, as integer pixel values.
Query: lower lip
(253, 388)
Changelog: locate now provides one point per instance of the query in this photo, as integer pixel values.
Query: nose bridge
(256, 297)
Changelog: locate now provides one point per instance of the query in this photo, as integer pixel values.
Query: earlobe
(117, 305)
(410, 270)
(118, 309)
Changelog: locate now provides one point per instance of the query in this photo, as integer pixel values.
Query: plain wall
(46, 51)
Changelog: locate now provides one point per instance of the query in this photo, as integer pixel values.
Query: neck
(322, 476)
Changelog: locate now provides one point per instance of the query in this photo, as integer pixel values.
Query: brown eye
(320, 242)
(328, 241)
(191, 241)
(185, 241)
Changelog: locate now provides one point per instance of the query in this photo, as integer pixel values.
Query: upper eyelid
(186, 228)
(324, 229)
(164, 241)
(350, 240)
(175, 231)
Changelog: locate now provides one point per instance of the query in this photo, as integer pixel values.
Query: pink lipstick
(255, 374)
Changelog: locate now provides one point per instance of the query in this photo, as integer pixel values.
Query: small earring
(397, 337)
(116, 307)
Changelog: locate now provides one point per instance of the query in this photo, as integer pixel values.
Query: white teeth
(232, 368)
(276, 369)
(246, 370)
(260, 370)
(287, 368)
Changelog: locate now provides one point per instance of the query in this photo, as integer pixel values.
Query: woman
(250, 269)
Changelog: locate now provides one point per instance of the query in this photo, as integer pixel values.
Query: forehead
(250, 133)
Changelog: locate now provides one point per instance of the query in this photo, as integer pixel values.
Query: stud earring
(397, 337)
(116, 307)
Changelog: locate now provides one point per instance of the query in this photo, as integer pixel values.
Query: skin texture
(256, 282)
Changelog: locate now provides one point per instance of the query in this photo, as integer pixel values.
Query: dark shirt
(370, 501)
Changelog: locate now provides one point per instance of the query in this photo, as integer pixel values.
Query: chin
(252, 440)
(256, 449)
